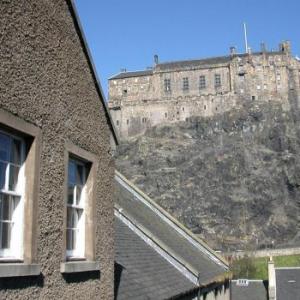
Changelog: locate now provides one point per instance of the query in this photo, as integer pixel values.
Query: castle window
(127, 121)
(253, 97)
(167, 85)
(117, 122)
(166, 115)
(124, 92)
(217, 80)
(144, 120)
(183, 109)
(202, 82)
(204, 107)
(185, 83)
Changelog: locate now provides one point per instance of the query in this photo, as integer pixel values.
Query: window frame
(27, 264)
(78, 251)
(91, 162)
(218, 81)
(15, 252)
(202, 82)
(185, 84)
(167, 85)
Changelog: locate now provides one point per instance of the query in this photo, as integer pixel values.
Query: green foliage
(244, 267)
(257, 268)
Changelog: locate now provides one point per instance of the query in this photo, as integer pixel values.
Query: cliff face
(233, 179)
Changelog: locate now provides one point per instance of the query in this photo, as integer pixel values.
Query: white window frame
(79, 250)
(16, 250)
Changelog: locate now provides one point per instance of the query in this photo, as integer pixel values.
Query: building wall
(258, 77)
(46, 81)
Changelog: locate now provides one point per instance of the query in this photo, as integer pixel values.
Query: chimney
(156, 59)
(232, 51)
(263, 47)
(123, 70)
(285, 47)
(272, 279)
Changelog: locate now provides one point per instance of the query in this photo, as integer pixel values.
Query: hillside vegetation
(233, 179)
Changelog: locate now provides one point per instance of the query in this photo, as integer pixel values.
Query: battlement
(174, 91)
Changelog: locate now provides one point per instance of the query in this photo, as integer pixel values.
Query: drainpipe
(272, 279)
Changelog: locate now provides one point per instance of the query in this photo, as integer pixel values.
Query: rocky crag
(233, 179)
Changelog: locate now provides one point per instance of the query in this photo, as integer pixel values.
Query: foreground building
(56, 167)
(175, 91)
(157, 257)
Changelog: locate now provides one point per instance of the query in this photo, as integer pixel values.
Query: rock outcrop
(233, 179)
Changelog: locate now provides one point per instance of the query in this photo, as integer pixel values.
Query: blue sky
(127, 33)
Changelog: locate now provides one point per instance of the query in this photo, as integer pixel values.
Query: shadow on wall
(17, 283)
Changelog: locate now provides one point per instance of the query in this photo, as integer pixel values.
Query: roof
(132, 74)
(192, 63)
(141, 272)
(254, 290)
(287, 283)
(187, 64)
(168, 234)
(85, 46)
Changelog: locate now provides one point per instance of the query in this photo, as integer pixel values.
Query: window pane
(79, 174)
(5, 235)
(2, 174)
(72, 172)
(71, 237)
(70, 194)
(4, 147)
(78, 194)
(16, 152)
(5, 208)
(13, 177)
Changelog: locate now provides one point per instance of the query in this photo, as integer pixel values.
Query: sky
(128, 33)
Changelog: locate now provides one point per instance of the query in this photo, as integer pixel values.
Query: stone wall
(262, 76)
(46, 80)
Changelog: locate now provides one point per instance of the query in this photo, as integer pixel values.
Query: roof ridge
(174, 221)
(158, 242)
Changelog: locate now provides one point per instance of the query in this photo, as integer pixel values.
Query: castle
(175, 91)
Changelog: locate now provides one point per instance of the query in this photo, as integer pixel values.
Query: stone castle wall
(138, 101)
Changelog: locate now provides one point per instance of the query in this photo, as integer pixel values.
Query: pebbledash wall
(173, 91)
(49, 91)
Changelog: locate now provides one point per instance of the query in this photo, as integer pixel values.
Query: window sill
(19, 269)
(79, 266)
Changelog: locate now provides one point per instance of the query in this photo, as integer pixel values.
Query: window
(76, 208)
(167, 84)
(144, 120)
(202, 82)
(118, 122)
(185, 83)
(11, 195)
(81, 171)
(166, 115)
(217, 80)
(124, 92)
(127, 121)
(253, 97)
(204, 107)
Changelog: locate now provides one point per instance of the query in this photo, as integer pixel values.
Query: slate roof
(287, 283)
(255, 290)
(193, 63)
(171, 236)
(141, 273)
(132, 74)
